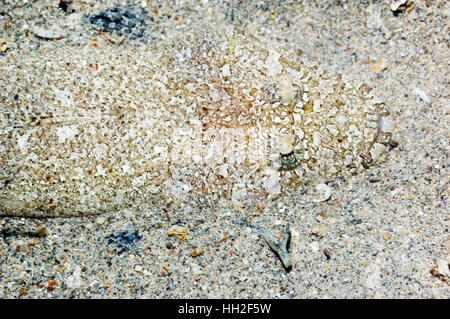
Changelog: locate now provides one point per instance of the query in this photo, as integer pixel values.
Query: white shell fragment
(422, 95)
(443, 267)
(199, 117)
(395, 4)
(324, 193)
(48, 34)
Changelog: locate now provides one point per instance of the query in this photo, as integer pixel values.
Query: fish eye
(291, 153)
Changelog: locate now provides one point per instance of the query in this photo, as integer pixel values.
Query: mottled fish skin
(203, 116)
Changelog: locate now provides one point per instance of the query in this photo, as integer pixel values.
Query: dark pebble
(124, 240)
(124, 20)
(392, 145)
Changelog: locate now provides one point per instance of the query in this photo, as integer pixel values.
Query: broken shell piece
(325, 192)
(396, 4)
(377, 150)
(41, 231)
(387, 125)
(422, 95)
(48, 34)
(179, 231)
(443, 267)
(279, 247)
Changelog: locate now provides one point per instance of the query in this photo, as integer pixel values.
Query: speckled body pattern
(204, 116)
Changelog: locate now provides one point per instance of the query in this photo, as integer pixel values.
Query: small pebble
(324, 191)
(41, 231)
(23, 292)
(197, 252)
(392, 145)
